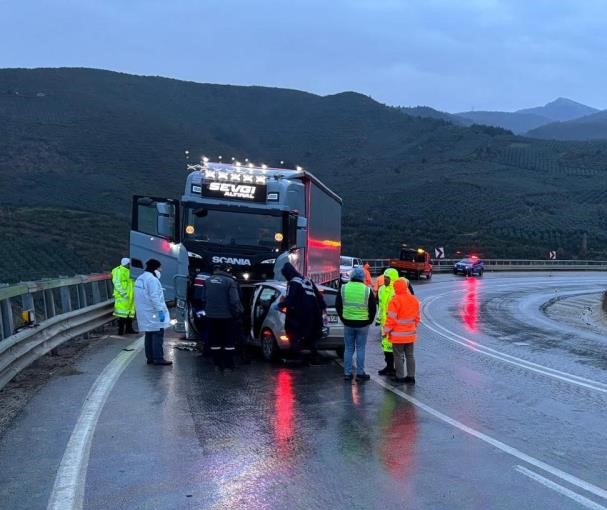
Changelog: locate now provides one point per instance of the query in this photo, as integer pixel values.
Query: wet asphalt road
(509, 412)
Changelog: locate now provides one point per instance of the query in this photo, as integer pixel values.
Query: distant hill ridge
(78, 143)
(521, 121)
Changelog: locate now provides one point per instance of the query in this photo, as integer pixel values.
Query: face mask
(157, 273)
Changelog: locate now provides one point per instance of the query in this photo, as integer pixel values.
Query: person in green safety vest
(356, 306)
(384, 294)
(124, 302)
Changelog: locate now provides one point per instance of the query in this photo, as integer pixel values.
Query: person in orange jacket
(401, 328)
(368, 279)
(378, 283)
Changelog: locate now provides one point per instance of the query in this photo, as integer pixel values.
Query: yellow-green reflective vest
(124, 295)
(355, 299)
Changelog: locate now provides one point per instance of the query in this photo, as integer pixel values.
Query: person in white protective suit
(152, 312)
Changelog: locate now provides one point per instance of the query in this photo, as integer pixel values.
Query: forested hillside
(75, 144)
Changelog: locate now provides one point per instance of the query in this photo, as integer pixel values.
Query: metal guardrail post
(96, 292)
(66, 301)
(81, 296)
(49, 299)
(6, 318)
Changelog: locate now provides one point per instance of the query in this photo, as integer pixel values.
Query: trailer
(249, 218)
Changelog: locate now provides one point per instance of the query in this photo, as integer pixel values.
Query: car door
(155, 234)
(264, 298)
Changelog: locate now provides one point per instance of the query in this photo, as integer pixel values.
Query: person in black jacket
(356, 306)
(304, 307)
(223, 312)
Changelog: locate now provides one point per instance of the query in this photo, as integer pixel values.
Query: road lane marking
(68, 489)
(578, 498)
(472, 345)
(563, 475)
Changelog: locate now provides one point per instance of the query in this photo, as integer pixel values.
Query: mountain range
(561, 119)
(76, 144)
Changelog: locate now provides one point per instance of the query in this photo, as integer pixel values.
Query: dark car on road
(469, 266)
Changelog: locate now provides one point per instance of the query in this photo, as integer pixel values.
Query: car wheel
(429, 275)
(469, 272)
(269, 347)
(455, 271)
(480, 273)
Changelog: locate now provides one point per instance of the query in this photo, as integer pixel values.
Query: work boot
(399, 380)
(129, 327)
(389, 368)
(409, 380)
(362, 377)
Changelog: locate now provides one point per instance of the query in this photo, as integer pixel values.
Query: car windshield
(468, 261)
(346, 261)
(233, 228)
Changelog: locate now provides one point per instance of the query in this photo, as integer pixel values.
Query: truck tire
(429, 275)
(269, 347)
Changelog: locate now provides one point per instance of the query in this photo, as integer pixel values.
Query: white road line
(563, 475)
(437, 328)
(68, 490)
(588, 503)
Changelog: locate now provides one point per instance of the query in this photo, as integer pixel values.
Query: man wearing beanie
(356, 306)
(152, 313)
(124, 304)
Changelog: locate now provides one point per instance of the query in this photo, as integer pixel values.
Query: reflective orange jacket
(403, 315)
(368, 279)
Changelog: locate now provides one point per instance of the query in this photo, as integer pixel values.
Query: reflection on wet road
(505, 414)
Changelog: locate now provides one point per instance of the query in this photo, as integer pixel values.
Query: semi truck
(413, 263)
(250, 218)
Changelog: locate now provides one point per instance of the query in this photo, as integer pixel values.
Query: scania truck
(251, 218)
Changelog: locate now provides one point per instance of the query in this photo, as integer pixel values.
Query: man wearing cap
(124, 304)
(356, 306)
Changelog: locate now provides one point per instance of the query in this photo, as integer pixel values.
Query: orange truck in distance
(413, 263)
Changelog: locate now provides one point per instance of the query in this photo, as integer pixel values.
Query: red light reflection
(284, 410)
(470, 305)
(398, 440)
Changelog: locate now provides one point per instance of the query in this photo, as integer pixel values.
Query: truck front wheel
(429, 275)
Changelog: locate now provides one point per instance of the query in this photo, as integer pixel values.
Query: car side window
(267, 296)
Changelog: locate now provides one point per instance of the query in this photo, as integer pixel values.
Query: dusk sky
(452, 55)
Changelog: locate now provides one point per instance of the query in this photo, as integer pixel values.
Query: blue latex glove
(161, 316)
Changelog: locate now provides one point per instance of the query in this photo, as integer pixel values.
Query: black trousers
(222, 337)
(125, 323)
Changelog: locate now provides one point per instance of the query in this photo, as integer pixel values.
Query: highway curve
(509, 412)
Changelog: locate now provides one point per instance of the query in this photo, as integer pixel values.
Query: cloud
(451, 55)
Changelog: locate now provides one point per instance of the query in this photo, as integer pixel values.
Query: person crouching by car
(356, 306)
(304, 307)
(152, 312)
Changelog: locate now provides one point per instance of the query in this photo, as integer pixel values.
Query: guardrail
(446, 265)
(61, 309)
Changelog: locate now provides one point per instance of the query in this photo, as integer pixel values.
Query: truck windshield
(233, 228)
